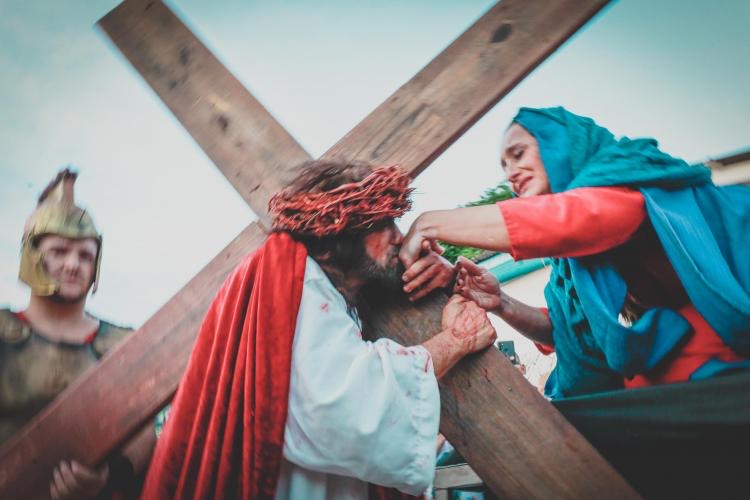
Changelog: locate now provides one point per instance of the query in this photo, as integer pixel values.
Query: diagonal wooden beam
(511, 436)
(433, 109)
(547, 457)
(208, 100)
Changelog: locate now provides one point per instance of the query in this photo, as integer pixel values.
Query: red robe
(225, 433)
(587, 221)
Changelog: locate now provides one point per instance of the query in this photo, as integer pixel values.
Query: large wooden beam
(429, 112)
(207, 99)
(519, 444)
(511, 436)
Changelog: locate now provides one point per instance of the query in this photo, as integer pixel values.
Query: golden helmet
(55, 213)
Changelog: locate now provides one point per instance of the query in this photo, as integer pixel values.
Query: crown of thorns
(358, 205)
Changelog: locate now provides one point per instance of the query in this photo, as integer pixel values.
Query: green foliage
(493, 195)
(452, 252)
(498, 193)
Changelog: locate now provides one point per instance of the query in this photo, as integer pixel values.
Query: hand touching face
(429, 272)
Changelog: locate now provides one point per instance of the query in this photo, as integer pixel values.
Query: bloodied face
(522, 163)
(379, 261)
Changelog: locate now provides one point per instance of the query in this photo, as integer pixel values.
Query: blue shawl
(705, 232)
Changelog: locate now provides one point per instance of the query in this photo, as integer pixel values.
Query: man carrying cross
(282, 397)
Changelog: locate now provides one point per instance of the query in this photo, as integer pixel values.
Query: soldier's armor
(34, 369)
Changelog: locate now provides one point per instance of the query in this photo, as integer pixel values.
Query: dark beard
(387, 278)
(382, 284)
(377, 280)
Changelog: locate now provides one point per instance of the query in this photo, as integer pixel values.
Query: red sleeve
(545, 348)
(583, 221)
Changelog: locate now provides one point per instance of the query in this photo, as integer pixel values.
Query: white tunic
(359, 411)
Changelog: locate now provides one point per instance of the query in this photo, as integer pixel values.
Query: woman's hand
(478, 284)
(478, 227)
(416, 240)
(429, 272)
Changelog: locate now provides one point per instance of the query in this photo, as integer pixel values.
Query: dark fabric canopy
(689, 440)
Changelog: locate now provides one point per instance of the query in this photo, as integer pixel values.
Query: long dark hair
(339, 255)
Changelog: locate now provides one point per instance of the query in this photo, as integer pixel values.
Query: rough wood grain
(255, 153)
(509, 434)
(429, 112)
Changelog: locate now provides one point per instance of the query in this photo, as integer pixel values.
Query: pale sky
(673, 69)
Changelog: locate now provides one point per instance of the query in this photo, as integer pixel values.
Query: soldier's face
(70, 263)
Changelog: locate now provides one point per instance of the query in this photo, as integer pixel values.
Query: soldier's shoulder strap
(108, 336)
(12, 329)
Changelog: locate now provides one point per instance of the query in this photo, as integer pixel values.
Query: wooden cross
(513, 438)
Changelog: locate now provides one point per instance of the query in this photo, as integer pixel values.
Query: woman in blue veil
(650, 278)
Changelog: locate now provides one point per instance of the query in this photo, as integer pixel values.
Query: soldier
(54, 340)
